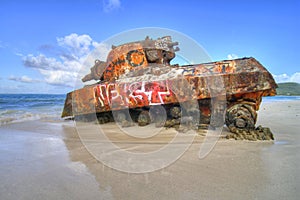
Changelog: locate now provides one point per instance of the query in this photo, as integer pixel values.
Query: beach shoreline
(46, 159)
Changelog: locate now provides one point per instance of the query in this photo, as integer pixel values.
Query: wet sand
(47, 160)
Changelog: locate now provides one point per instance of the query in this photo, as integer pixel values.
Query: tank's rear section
(243, 81)
(246, 82)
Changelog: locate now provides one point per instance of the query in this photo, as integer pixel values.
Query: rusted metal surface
(139, 75)
(242, 79)
(133, 56)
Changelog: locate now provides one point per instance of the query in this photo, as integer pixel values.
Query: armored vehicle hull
(230, 89)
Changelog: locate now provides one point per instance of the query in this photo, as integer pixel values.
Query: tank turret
(132, 57)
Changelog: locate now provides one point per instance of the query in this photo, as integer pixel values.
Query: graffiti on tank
(162, 43)
(188, 70)
(132, 94)
(209, 69)
(135, 58)
(125, 61)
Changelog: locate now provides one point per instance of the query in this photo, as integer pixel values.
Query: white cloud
(78, 45)
(110, 5)
(42, 62)
(287, 78)
(59, 77)
(73, 58)
(23, 79)
(295, 77)
(232, 56)
(19, 54)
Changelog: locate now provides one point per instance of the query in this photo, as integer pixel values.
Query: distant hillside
(288, 89)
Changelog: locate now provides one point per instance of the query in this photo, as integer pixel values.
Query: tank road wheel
(104, 118)
(175, 112)
(240, 116)
(119, 116)
(158, 115)
(144, 118)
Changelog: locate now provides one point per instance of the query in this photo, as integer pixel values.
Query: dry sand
(46, 160)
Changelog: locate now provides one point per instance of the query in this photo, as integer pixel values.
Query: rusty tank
(137, 77)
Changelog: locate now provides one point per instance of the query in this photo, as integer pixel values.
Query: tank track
(240, 118)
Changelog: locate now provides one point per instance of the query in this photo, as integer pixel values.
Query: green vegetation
(292, 89)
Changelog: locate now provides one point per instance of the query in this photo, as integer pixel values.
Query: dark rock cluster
(259, 133)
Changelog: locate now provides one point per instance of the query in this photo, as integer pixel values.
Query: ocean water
(25, 107)
(280, 98)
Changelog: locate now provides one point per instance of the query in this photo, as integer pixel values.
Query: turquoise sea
(24, 107)
(280, 98)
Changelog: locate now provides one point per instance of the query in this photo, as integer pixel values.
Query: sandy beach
(47, 160)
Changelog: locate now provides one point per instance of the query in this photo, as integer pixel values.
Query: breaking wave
(25, 107)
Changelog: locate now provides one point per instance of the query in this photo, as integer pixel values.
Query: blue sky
(42, 43)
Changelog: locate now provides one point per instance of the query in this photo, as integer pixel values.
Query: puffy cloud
(59, 77)
(73, 57)
(78, 45)
(42, 62)
(232, 56)
(295, 77)
(281, 78)
(23, 79)
(287, 78)
(110, 5)
(55, 72)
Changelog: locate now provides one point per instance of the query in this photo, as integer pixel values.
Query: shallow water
(280, 98)
(26, 107)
